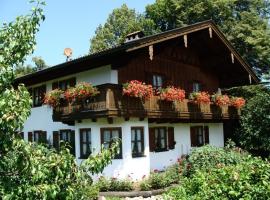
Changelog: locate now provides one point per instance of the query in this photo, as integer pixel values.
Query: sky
(68, 24)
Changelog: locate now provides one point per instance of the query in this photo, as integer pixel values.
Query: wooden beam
(151, 52)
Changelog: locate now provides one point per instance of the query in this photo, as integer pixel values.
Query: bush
(209, 157)
(114, 184)
(158, 180)
(249, 179)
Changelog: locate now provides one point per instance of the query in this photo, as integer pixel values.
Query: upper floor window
(137, 141)
(85, 142)
(38, 94)
(199, 135)
(107, 136)
(64, 84)
(157, 81)
(196, 87)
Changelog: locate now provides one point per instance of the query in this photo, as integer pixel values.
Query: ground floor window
(137, 141)
(107, 136)
(37, 136)
(85, 142)
(158, 139)
(64, 136)
(199, 135)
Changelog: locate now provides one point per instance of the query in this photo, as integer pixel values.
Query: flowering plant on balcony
(172, 94)
(138, 89)
(221, 100)
(53, 97)
(238, 102)
(81, 91)
(200, 97)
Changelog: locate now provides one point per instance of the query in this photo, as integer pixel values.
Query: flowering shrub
(138, 89)
(221, 100)
(53, 97)
(200, 97)
(172, 94)
(81, 91)
(114, 184)
(238, 102)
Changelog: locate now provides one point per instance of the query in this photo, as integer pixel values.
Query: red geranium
(238, 102)
(172, 94)
(221, 100)
(138, 89)
(53, 97)
(200, 97)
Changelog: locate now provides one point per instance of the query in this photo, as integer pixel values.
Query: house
(154, 134)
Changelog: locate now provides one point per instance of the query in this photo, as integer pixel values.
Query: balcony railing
(111, 103)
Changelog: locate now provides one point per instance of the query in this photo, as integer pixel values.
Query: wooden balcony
(111, 103)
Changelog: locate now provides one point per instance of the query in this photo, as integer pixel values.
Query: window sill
(139, 156)
(161, 150)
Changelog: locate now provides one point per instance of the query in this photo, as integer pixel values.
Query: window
(37, 136)
(157, 81)
(85, 142)
(137, 141)
(199, 135)
(38, 94)
(107, 136)
(196, 87)
(158, 139)
(64, 84)
(65, 135)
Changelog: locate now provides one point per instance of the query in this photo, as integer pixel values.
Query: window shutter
(42, 93)
(72, 82)
(56, 140)
(72, 142)
(193, 137)
(171, 142)
(152, 145)
(54, 85)
(30, 136)
(206, 135)
(44, 137)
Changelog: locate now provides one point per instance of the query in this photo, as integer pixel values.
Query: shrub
(249, 179)
(158, 180)
(209, 157)
(172, 94)
(114, 184)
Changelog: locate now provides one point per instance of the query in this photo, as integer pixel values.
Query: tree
(29, 170)
(120, 22)
(253, 134)
(22, 70)
(39, 63)
(245, 23)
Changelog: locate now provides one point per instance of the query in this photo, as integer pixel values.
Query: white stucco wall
(136, 168)
(161, 160)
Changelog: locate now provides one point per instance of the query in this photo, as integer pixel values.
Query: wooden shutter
(152, 145)
(206, 135)
(42, 93)
(72, 142)
(171, 142)
(193, 137)
(30, 136)
(54, 85)
(72, 82)
(56, 140)
(43, 137)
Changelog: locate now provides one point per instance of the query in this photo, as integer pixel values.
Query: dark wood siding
(181, 66)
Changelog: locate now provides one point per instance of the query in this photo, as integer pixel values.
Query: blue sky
(67, 24)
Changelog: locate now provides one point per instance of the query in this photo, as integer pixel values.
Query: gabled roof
(105, 57)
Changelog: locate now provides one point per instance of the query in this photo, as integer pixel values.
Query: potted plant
(223, 101)
(53, 98)
(172, 93)
(202, 99)
(238, 102)
(137, 89)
